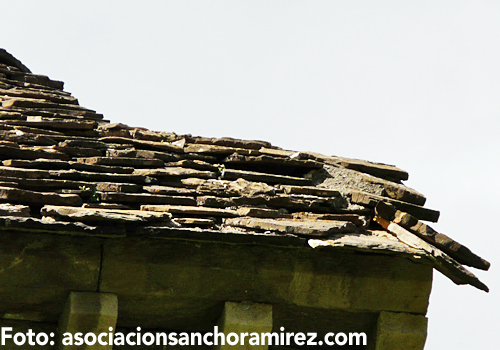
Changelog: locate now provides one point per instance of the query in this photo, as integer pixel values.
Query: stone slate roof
(66, 170)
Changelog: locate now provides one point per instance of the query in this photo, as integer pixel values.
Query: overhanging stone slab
(37, 271)
(171, 283)
(304, 227)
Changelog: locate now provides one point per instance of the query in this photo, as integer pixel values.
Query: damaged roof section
(67, 170)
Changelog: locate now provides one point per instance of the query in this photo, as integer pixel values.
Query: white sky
(415, 84)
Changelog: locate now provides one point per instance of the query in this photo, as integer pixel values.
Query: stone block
(245, 317)
(396, 331)
(88, 313)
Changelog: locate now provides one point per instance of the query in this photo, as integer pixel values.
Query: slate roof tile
(66, 170)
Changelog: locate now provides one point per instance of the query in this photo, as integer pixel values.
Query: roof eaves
(66, 170)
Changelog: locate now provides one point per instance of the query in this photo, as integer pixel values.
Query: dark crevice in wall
(100, 268)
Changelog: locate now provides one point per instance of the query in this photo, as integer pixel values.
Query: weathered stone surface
(114, 129)
(22, 102)
(376, 242)
(138, 198)
(451, 247)
(371, 200)
(232, 174)
(176, 172)
(37, 131)
(181, 209)
(220, 233)
(10, 63)
(266, 160)
(309, 228)
(106, 206)
(125, 152)
(84, 192)
(152, 145)
(323, 205)
(389, 172)
(7, 209)
(54, 123)
(310, 203)
(220, 202)
(80, 151)
(29, 80)
(188, 183)
(215, 149)
(20, 81)
(7, 152)
(193, 164)
(37, 94)
(101, 168)
(117, 187)
(169, 283)
(200, 156)
(52, 226)
(236, 188)
(6, 115)
(16, 195)
(312, 190)
(278, 152)
(224, 202)
(86, 143)
(64, 129)
(45, 164)
(93, 176)
(31, 130)
(39, 270)
(259, 212)
(397, 331)
(191, 182)
(343, 179)
(244, 317)
(104, 216)
(140, 153)
(22, 138)
(123, 161)
(194, 222)
(442, 262)
(61, 113)
(246, 188)
(215, 187)
(86, 312)
(123, 147)
(354, 218)
(152, 135)
(49, 184)
(177, 191)
(37, 184)
(230, 142)
(166, 157)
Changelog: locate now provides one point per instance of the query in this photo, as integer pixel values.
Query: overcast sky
(410, 83)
